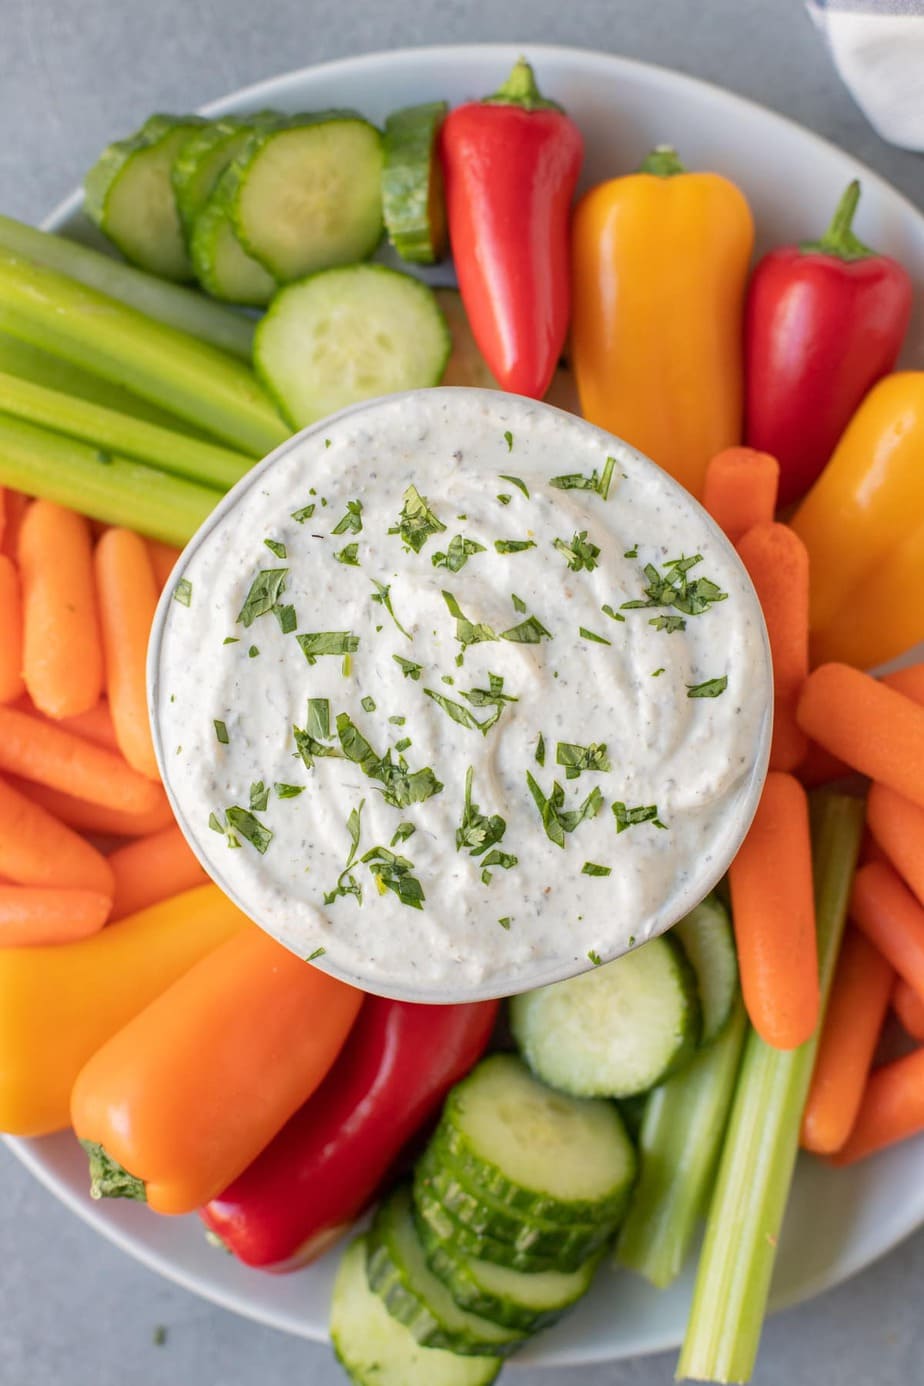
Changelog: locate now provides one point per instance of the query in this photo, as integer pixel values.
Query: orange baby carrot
(11, 684)
(898, 826)
(39, 750)
(909, 1007)
(740, 489)
(41, 915)
(15, 505)
(909, 681)
(62, 653)
(818, 767)
(164, 558)
(867, 724)
(870, 849)
(773, 910)
(152, 869)
(884, 908)
(94, 725)
(859, 1001)
(97, 818)
(37, 850)
(777, 563)
(892, 1109)
(127, 598)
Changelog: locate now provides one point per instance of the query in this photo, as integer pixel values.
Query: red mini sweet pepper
(510, 167)
(825, 320)
(327, 1164)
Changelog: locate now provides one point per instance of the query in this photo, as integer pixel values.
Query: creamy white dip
(662, 709)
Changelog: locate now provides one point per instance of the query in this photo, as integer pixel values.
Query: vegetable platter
(837, 1221)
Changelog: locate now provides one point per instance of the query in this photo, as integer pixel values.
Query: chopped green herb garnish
(556, 819)
(590, 635)
(217, 826)
(576, 758)
(231, 640)
(493, 697)
(316, 643)
(629, 817)
(276, 547)
(381, 595)
(249, 828)
(513, 545)
(595, 957)
(455, 710)
(504, 498)
(528, 632)
(182, 592)
(402, 833)
(306, 512)
(592, 868)
(367, 704)
(392, 872)
(580, 553)
(467, 632)
(505, 921)
(401, 785)
(403, 744)
(631, 553)
(318, 953)
(656, 673)
(318, 721)
(668, 623)
(613, 615)
(398, 720)
(352, 521)
(347, 883)
(457, 554)
(478, 831)
(307, 747)
(540, 750)
(518, 603)
(674, 588)
(288, 791)
(508, 439)
(348, 555)
(574, 481)
(221, 731)
(517, 482)
(417, 521)
(253, 652)
(409, 669)
(286, 617)
(710, 689)
(259, 797)
(265, 591)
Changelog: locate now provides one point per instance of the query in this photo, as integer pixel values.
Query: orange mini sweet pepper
(659, 268)
(178, 1103)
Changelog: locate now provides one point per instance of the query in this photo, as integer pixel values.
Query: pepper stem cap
(108, 1179)
(839, 240)
(663, 162)
(521, 89)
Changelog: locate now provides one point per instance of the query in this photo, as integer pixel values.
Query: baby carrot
(898, 827)
(11, 684)
(15, 505)
(152, 869)
(127, 598)
(37, 850)
(856, 1009)
(740, 489)
(884, 908)
(38, 750)
(163, 558)
(874, 729)
(97, 818)
(94, 725)
(892, 1109)
(37, 915)
(62, 654)
(909, 1007)
(777, 563)
(909, 681)
(773, 911)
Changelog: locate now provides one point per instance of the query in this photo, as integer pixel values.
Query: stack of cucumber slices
(531, 1171)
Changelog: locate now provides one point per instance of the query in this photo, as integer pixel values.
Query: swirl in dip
(457, 694)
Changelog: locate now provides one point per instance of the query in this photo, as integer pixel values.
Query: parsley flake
(576, 758)
(629, 817)
(401, 785)
(318, 953)
(528, 632)
(508, 439)
(556, 819)
(518, 603)
(392, 872)
(409, 669)
(590, 635)
(265, 591)
(478, 832)
(595, 957)
(381, 595)
(674, 588)
(221, 732)
(580, 553)
(347, 883)
(288, 791)
(668, 623)
(276, 547)
(540, 750)
(248, 827)
(306, 512)
(504, 498)
(613, 615)
(505, 921)
(349, 555)
(182, 592)
(417, 521)
(259, 797)
(457, 554)
(710, 689)
(592, 868)
(316, 643)
(513, 545)
(402, 833)
(517, 482)
(574, 481)
(286, 617)
(253, 652)
(231, 640)
(352, 521)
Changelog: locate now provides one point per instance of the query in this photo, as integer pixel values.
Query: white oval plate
(838, 1221)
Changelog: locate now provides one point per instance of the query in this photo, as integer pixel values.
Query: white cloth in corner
(878, 49)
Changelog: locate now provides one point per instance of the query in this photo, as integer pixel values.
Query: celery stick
(755, 1172)
(170, 303)
(103, 486)
(105, 428)
(193, 379)
(679, 1146)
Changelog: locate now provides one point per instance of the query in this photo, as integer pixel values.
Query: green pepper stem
(108, 1179)
(521, 89)
(839, 240)
(663, 162)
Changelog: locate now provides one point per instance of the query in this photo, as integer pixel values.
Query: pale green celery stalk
(179, 307)
(755, 1172)
(115, 432)
(101, 485)
(679, 1146)
(191, 378)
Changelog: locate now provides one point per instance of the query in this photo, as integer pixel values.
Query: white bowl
(838, 1221)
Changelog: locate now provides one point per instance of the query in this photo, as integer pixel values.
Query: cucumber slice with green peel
(541, 1152)
(482, 1245)
(517, 1299)
(308, 196)
(412, 184)
(397, 1271)
(222, 265)
(374, 1349)
(346, 335)
(706, 936)
(204, 156)
(617, 1030)
(129, 195)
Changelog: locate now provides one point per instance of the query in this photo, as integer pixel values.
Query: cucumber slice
(523, 1300)
(437, 1175)
(706, 936)
(614, 1031)
(203, 158)
(374, 1349)
(398, 1273)
(346, 335)
(128, 194)
(412, 183)
(541, 1152)
(309, 196)
(222, 265)
(429, 1210)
